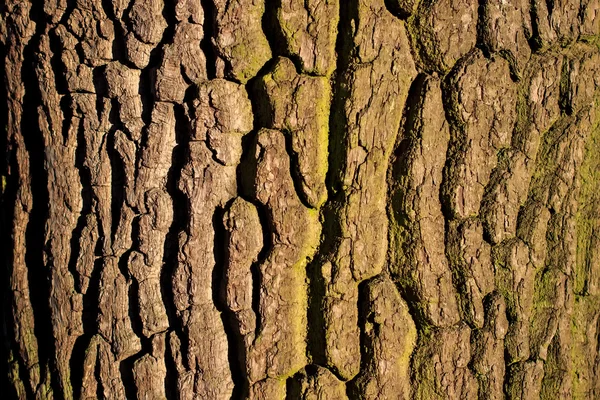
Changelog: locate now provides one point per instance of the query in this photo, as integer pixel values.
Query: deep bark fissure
(171, 246)
(236, 348)
(209, 33)
(331, 233)
(246, 172)
(38, 275)
(8, 197)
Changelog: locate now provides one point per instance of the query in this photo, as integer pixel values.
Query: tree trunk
(301, 199)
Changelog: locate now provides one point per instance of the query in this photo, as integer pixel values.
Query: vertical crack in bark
(206, 44)
(118, 44)
(399, 167)
(38, 274)
(273, 32)
(366, 352)
(8, 197)
(331, 234)
(100, 386)
(171, 246)
(246, 174)
(257, 279)
(236, 349)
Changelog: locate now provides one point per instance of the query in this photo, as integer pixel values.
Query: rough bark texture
(301, 199)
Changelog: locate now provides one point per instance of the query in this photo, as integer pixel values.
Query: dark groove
(535, 41)
(272, 29)
(8, 195)
(85, 179)
(481, 42)
(395, 10)
(316, 339)
(264, 117)
(564, 100)
(126, 370)
(38, 273)
(171, 371)
(257, 278)
(71, 5)
(134, 312)
(119, 49)
(210, 16)
(57, 65)
(293, 388)
(99, 387)
(274, 34)
(295, 174)
(126, 366)
(86, 208)
(329, 218)
(366, 349)
(236, 348)
(246, 174)
(76, 364)
(180, 211)
(118, 179)
(399, 166)
(171, 247)
(89, 322)
(550, 7)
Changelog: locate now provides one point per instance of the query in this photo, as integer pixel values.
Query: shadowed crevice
(264, 117)
(118, 180)
(398, 170)
(366, 349)
(91, 307)
(535, 40)
(395, 9)
(316, 334)
(127, 365)
(119, 49)
(329, 214)
(148, 74)
(272, 29)
(8, 196)
(181, 215)
(38, 273)
(246, 174)
(276, 37)
(99, 387)
(210, 16)
(235, 342)
(293, 388)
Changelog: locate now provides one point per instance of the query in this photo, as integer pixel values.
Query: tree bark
(301, 199)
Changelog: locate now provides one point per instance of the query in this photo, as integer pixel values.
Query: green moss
(249, 56)
(13, 376)
(424, 44)
(588, 213)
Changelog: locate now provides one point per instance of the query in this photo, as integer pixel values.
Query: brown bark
(364, 199)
